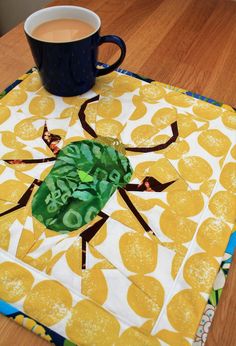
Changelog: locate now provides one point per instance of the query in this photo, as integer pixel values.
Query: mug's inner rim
(61, 12)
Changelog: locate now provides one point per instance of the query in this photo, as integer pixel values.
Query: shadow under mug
(69, 68)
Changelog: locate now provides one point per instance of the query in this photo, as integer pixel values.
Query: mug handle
(121, 44)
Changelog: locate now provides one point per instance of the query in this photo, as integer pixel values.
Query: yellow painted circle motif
(12, 189)
(90, 324)
(138, 253)
(145, 296)
(162, 170)
(194, 169)
(15, 282)
(184, 310)
(125, 84)
(229, 119)
(109, 108)
(176, 227)
(186, 125)
(228, 177)
(172, 338)
(31, 83)
(143, 133)
(151, 93)
(14, 98)
(74, 100)
(48, 302)
(74, 256)
(9, 140)
(18, 154)
(233, 152)
(26, 130)
(134, 337)
(127, 218)
(4, 113)
(200, 271)
(164, 117)
(177, 150)
(180, 100)
(208, 186)
(213, 236)
(41, 105)
(223, 205)
(94, 285)
(214, 142)
(185, 203)
(108, 128)
(206, 110)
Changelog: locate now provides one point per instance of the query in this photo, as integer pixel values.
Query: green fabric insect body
(84, 177)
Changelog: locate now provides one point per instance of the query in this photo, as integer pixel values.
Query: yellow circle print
(31, 83)
(10, 140)
(26, 130)
(194, 169)
(206, 110)
(151, 93)
(133, 337)
(172, 338)
(41, 105)
(213, 236)
(100, 236)
(233, 152)
(208, 186)
(18, 154)
(214, 142)
(12, 190)
(162, 170)
(143, 133)
(200, 271)
(223, 205)
(108, 128)
(164, 117)
(228, 177)
(180, 100)
(74, 100)
(138, 253)
(185, 203)
(186, 125)
(109, 108)
(145, 296)
(184, 310)
(74, 256)
(176, 150)
(15, 282)
(4, 113)
(5, 236)
(14, 98)
(229, 119)
(124, 84)
(127, 218)
(94, 285)
(177, 262)
(176, 227)
(48, 302)
(90, 324)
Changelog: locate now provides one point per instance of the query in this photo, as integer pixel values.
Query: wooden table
(187, 43)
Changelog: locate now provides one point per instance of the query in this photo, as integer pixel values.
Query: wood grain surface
(186, 43)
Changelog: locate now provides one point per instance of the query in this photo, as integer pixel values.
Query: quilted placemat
(116, 209)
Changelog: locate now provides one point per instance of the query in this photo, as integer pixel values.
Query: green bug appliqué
(84, 177)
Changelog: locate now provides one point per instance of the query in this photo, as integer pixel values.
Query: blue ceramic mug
(69, 68)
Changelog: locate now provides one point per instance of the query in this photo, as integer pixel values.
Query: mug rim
(51, 9)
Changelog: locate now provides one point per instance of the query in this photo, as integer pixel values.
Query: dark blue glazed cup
(69, 68)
